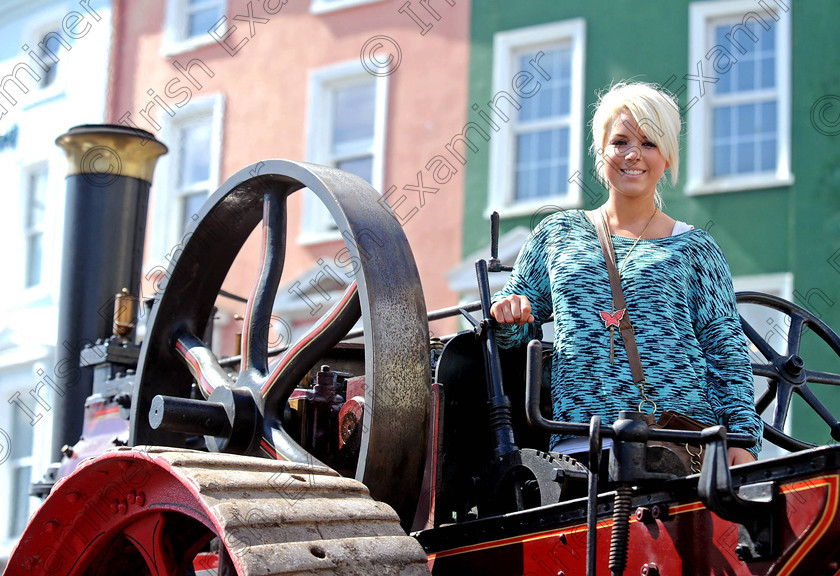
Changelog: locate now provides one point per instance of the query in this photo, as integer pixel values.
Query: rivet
(50, 526)
(141, 498)
(72, 497)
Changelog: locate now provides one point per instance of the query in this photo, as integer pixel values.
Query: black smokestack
(109, 174)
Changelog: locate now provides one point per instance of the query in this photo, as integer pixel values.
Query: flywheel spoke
(783, 398)
(766, 398)
(817, 405)
(202, 363)
(148, 535)
(260, 304)
(768, 351)
(765, 370)
(331, 327)
(794, 337)
(822, 377)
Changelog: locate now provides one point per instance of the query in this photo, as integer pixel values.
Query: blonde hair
(655, 111)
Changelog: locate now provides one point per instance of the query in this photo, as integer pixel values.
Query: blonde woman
(676, 283)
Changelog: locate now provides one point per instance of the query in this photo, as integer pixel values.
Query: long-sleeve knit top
(680, 300)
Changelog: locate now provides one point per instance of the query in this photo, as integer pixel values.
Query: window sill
(541, 207)
(45, 95)
(311, 237)
(723, 185)
(324, 7)
(172, 48)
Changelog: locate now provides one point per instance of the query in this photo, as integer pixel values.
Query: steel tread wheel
(144, 510)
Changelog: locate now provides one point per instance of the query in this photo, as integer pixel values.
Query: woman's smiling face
(634, 163)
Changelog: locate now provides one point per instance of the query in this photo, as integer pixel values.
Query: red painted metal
(124, 512)
(689, 540)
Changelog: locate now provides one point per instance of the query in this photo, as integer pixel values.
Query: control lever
(756, 507)
(495, 265)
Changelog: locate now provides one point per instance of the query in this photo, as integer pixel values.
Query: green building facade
(758, 83)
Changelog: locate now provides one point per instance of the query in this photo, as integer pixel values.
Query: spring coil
(621, 529)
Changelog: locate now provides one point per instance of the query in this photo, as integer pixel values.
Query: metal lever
(756, 508)
(495, 265)
(498, 403)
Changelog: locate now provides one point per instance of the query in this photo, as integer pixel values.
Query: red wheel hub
(123, 513)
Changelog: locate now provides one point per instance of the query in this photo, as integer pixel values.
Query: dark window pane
(722, 160)
(361, 167)
(192, 203)
(34, 259)
(353, 117)
(36, 198)
(542, 164)
(194, 153)
(201, 20)
(48, 77)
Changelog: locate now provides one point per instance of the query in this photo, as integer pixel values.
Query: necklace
(613, 320)
(627, 257)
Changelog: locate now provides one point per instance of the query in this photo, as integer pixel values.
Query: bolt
(123, 400)
(644, 514)
(659, 511)
(67, 451)
(562, 538)
(794, 364)
(650, 569)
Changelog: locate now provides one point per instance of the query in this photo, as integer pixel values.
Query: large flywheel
(242, 413)
(786, 372)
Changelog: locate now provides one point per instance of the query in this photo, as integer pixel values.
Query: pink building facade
(378, 88)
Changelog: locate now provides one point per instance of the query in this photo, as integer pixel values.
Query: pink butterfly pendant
(612, 321)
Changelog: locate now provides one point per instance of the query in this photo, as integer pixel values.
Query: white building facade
(54, 63)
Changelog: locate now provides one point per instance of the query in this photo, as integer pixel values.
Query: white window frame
(319, 136)
(503, 143)
(324, 6)
(175, 23)
(702, 16)
(49, 21)
(19, 381)
(168, 234)
(42, 228)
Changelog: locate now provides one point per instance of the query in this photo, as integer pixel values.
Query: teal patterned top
(680, 300)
